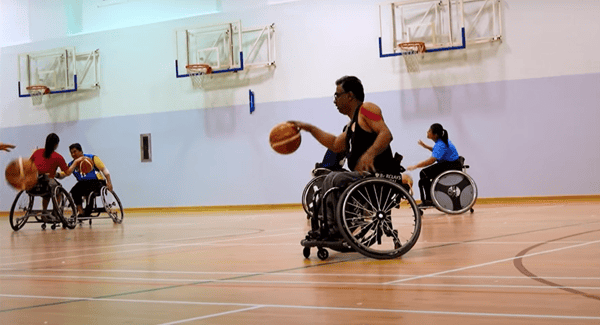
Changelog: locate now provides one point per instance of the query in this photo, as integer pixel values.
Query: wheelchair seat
(42, 187)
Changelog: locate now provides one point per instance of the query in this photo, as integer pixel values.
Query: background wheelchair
(110, 204)
(454, 191)
(375, 216)
(62, 211)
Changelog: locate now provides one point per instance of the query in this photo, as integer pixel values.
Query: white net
(411, 52)
(37, 94)
(198, 72)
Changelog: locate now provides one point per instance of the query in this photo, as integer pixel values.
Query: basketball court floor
(503, 264)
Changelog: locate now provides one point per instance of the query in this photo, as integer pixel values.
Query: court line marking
(375, 310)
(202, 281)
(296, 274)
(493, 262)
(212, 315)
(143, 249)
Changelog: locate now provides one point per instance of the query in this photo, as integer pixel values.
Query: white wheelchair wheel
(112, 204)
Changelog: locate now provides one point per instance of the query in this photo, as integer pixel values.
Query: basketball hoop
(198, 72)
(409, 52)
(37, 92)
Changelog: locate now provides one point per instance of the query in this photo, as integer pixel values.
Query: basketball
(21, 174)
(285, 138)
(86, 166)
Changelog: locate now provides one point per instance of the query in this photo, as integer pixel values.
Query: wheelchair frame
(63, 210)
(109, 199)
(364, 219)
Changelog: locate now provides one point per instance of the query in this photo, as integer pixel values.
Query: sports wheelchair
(111, 205)
(375, 216)
(63, 208)
(454, 191)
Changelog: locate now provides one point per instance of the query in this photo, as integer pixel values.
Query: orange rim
(199, 67)
(409, 45)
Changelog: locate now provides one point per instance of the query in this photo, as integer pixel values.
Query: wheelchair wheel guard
(372, 220)
(453, 192)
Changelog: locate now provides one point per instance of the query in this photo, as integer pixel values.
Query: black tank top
(359, 141)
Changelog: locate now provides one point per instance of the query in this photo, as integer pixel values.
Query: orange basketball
(21, 174)
(86, 166)
(285, 138)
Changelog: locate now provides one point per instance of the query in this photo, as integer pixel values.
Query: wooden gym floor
(503, 264)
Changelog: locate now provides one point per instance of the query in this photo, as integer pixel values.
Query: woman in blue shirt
(443, 157)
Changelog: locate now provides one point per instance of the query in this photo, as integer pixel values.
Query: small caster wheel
(44, 227)
(472, 210)
(421, 211)
(53, 227)
(322, 254)
(306, 252)
(90, 222)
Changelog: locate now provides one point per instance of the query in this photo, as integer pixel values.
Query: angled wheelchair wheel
(64, 207)
(453, 192)
(112, 204)
(309, 193)
(378, 218)
(19, 211)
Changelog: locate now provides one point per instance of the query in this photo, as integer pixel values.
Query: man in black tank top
(366, 141)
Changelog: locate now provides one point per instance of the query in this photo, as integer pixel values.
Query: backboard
(219, 46)
(441, 24)
(58, 70)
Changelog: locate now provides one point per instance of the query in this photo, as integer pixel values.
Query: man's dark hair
(76, 146)
(353, 85)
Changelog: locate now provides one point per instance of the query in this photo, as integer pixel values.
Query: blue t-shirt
(89, 176)
(443, 152)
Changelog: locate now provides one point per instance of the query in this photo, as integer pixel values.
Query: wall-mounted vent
(146, 147)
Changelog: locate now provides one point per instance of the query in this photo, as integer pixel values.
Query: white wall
(333, 38)
(14, 22)
(518, 141)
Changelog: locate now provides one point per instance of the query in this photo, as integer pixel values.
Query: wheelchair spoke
(377, 198)
(357, 205)
(357, 224)
(392, 203)
(371, 202)
(368, 200)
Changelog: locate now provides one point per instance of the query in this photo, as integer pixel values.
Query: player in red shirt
(47, 161)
